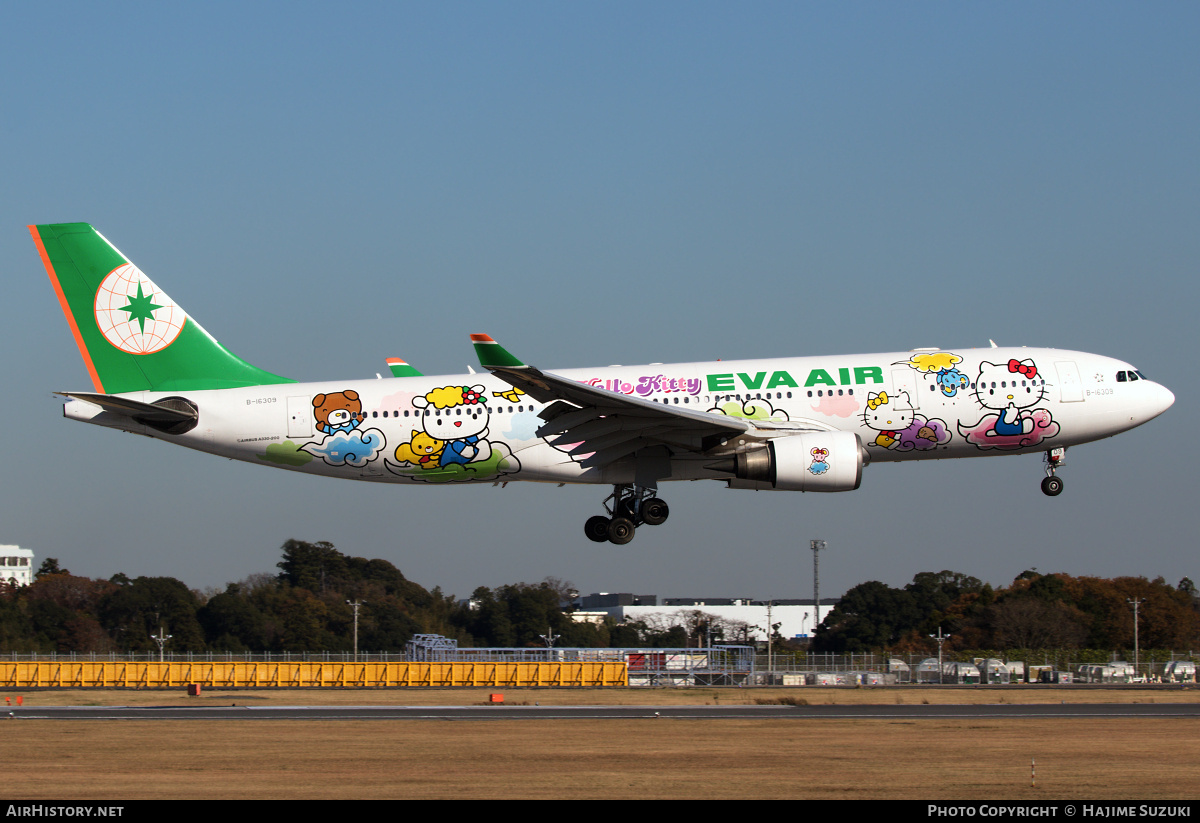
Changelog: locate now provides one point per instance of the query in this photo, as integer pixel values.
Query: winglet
(492, 355)
(401, 369)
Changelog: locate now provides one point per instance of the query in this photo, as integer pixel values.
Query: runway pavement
(501, 712)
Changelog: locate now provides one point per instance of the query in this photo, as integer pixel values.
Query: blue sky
(324, 187)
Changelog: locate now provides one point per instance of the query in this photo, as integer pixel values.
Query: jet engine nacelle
(808, 462)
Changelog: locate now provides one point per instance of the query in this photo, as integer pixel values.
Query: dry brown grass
(1083, 759)
(601, 697)
(651, 758)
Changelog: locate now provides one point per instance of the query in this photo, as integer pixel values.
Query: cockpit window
(1139, 374)
(1129, 376)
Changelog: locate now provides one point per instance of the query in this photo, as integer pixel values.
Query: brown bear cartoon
(340, 411)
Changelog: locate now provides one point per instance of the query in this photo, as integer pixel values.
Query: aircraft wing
(607, 426)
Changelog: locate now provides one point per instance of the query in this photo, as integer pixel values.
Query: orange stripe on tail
(66, 307)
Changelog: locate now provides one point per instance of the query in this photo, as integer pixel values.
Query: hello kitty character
(459, 416)
(1009, 388)
(889, 415)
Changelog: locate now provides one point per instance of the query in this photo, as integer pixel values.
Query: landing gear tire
(596, 528)
(629, 507)
(621, 530)
(655, 512)
(1052, 486)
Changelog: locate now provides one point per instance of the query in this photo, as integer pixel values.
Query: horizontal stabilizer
(172, 415)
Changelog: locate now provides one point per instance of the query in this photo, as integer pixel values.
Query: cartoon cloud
(923, 434)
(355, 448)
(983, 434)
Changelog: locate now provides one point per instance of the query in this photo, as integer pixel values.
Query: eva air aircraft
(788, 424)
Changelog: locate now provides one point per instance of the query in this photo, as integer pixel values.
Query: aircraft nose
(1152, 400)
(1160, 400)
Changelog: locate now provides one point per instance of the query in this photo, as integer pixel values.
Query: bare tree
(1028, 623)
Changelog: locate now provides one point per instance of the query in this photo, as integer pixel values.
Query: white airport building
(796, 618)
(16, 565)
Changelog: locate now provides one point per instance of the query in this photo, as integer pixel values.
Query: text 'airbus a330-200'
(786, 424)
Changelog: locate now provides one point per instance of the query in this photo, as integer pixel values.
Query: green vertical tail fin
(131, 335)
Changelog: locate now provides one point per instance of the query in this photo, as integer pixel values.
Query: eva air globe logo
(134, 315)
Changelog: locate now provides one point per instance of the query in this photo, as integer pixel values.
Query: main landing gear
(1052, 486)
(628, 507)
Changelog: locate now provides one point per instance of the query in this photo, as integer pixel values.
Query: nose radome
(1162, 399)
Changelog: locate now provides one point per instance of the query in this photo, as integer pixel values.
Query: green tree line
(1037, 611)
(305, 607)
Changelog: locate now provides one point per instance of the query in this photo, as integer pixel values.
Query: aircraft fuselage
(470, 428)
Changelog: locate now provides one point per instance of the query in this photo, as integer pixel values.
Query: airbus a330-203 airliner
(788, 424)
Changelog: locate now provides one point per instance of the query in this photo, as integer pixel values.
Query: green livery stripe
(493, 355)
(131, 335)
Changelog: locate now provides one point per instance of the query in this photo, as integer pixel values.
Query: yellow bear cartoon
(423, 451)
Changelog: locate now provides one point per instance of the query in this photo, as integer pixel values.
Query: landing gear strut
(628, 507)
(1052, 486)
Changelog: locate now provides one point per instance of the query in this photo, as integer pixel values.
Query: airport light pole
(1135, 602)
(356, 604)
(940, 638)
(770, 642)
(816, 546)
(161, 639)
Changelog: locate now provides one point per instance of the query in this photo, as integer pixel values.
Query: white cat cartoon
(889, 415)
(1008, 388)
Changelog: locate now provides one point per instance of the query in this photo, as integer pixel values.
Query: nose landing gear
(628, 507)
(1052, 486)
